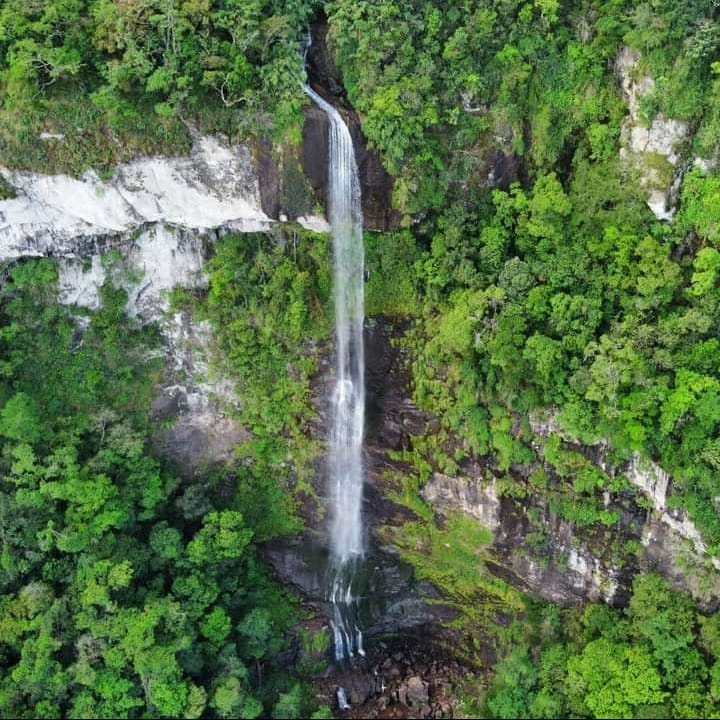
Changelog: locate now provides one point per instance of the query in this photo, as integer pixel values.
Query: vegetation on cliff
(110, 80)
(127, 592)
(124, 591)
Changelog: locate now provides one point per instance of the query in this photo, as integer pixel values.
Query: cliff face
(57, 215)
(532, 548)
(150, 228)
(162, 216)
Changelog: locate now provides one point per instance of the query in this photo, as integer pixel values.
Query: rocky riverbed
(403, 678)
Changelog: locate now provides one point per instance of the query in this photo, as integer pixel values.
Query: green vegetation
(561, 292)
(268, 304)
(598, 312)
(121, 78)
(124, 592)
(657, 658)
(436, 80)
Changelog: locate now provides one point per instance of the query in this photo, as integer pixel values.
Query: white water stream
(347, 542)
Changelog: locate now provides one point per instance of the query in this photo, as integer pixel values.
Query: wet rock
(342, 699)
(376, 185)
(416, 691)
(503, 170)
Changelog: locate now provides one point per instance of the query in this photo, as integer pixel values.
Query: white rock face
(480, 500)
(650, 478)
(316, 223)
(214, 186)
(587, 573)
(648, 148)
(654, 482)
(544, 422)
(79, 282)
(707, 165)
(151, 265)
(194, 398)
(582, 575)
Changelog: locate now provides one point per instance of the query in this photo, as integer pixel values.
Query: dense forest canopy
(127, 591)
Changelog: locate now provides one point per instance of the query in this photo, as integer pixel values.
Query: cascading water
(347, 543)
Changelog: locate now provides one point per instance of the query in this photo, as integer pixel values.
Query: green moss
(297, 194)
(661, 170)
(7, 191)
(450, 553)
(315, 642)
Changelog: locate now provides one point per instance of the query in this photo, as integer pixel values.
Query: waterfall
(348, 399)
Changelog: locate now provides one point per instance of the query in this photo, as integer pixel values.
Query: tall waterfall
(348, 399)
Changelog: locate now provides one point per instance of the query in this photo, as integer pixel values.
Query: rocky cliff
(656, 147)
(151, 227)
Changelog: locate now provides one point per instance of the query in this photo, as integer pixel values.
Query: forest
(127, 590)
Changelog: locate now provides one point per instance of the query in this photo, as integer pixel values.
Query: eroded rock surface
(654, 149)
(215, 186)
(394, 600)
(535, 551)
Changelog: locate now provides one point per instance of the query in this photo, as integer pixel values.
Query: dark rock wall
(395, 602)
(376, 185)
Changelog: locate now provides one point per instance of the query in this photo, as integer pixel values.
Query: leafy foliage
(599, 662)
(135, 70)
(118, 598)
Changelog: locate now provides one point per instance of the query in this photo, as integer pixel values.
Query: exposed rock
(707, 165)
(396, 601)
(193, 401)
(653, 149)
(316, 223)
(216, 186)
(650, 478)
(564, 569)
(503, 170)
(469, 495)
(150, 229)
(654, 482)
(429, 687)
(645, 474)
(672, 543)
(148, 267)
(544, 421)
(376, 185)
(415, 691)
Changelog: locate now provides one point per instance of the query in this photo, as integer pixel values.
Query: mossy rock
(7, 191)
